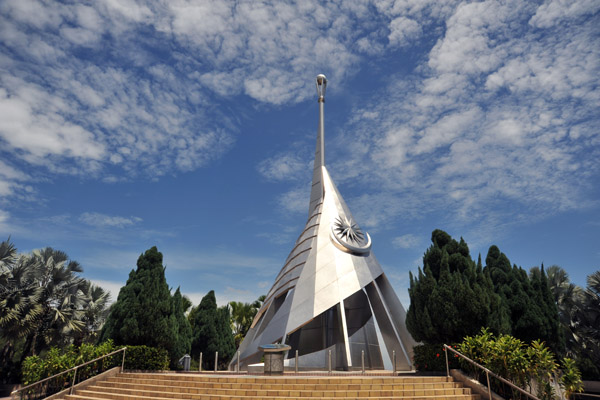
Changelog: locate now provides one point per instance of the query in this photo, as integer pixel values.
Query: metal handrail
(487, 372)
(15, 392)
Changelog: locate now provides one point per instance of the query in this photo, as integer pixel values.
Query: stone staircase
(162, 386)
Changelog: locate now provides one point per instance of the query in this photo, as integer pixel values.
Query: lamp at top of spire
(321, 85)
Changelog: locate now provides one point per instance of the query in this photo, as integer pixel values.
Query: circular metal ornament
(348, 237)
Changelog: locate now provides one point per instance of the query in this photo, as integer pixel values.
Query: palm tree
(242, 315)
(95, 313)
(20, 309)
(587, 319)
(568, 298)
(63, 300)
(579, 313)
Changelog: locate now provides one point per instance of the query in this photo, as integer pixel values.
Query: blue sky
(191, 126)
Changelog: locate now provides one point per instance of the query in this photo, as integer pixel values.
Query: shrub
(146, 358)
(431, 357)
(571, 378)
(520, 363)
(58, 360)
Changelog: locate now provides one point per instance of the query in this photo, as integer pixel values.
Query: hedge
(146, 358)
(431, 357)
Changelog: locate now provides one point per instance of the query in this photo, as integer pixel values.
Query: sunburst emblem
(348, 230)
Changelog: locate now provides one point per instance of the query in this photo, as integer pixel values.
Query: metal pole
(447, 367)
(200, 364)
(73, 384)
(216, 360)
(123, 360)
(362, 357)
(296, 363)
(237, 367)
(329, 361)
(394, 361)
(488, 382)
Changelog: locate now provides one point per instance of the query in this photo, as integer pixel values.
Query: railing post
(216, 360)
(123, 361)
(447, 366)
(200, 365)
(394, 359)
(237, 367)
(296, 363)
(488, 382)
(362, 358)
(329, 361)
(73, 384)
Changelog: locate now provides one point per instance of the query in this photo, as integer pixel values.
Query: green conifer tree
(225, 335)
(143, 312)
(211, 332)
(182, 329)
(528, 300)
(452, 298)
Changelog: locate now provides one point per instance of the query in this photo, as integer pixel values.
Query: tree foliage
(529, 301)
(43, 303)
(211, 332)
(579, 315)
(145, 313)
(242, 315)
(522, 364)
(183, 330)
(453, 297)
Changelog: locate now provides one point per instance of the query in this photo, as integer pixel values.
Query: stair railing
(24, 390)
(487, 373)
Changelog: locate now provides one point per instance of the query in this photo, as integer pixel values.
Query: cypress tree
(528, 301)
(182, 329)
(225, 336)
(452, 298)
(211, 332)
(140, 316)
(143, 312)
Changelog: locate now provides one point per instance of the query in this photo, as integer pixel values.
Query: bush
(146, 358)
(58, 360)
(520, 363)
(431, 357)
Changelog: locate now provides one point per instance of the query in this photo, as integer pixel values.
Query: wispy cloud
(497, 126)
(294, 201)
(81, 93)
(102, 220)
(284, 167)
(406, 241)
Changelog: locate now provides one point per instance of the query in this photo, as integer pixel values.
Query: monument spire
(316, 192)
(331, 295)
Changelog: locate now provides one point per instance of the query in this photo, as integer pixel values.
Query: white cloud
(407, 241)
(295, 200)
(403, 30)
(219, 259)
(77, 111)
(111, 287)
(554, 11)
(102, 220)
(489, 126)
(283, 167)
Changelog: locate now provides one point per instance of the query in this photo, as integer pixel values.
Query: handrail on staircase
(487, 373)
(14, 393)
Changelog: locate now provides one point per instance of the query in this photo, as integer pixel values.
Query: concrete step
(167, 386)
(196, 393)
(299, 385)
(90, 395)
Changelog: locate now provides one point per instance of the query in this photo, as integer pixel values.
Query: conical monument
(331, 293)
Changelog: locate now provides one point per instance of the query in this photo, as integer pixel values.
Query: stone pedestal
(274, 358)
